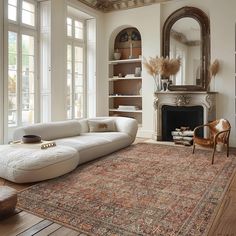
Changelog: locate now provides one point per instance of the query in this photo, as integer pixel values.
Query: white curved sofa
(76, 144)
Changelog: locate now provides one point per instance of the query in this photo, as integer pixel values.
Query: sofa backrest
(50, 131)
(70, 128)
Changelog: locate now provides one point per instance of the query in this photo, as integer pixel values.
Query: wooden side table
(8, 200)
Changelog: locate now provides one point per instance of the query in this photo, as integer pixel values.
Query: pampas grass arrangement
(152, 67)
(164, 67)
(174, 66)
(214, 67)
(213, 70)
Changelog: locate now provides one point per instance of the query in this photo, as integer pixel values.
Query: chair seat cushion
(23, 164)
(204, 141)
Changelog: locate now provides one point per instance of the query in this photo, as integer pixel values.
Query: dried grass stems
(162, 66)
(214, 68)
(152, 68)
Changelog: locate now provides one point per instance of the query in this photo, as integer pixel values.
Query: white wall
(1, 71)
(58, 60)
(222, 27)
(147, 21)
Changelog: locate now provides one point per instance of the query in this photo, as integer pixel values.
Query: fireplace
(176, 116)
(182, 108)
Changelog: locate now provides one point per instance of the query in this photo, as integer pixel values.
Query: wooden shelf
(124, 87)
(125, 61)
(128, 111)
(125, 96)
(123, 78)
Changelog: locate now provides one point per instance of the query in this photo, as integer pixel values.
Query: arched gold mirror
(186, 34)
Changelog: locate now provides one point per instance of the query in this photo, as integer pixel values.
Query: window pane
(27, 108)
(12, 110)
(27, 63)
(69, 21)
(78, 68)
(12, 2)
(12, 61)
(78, 24)
(69, 83)
(78, 29)
(78, 105)
(27, 45)
(78, 33)
(69, 30)
(69, 26)
(78, 89)
(12, 42)
(28, 6)
(78, 80)
(12, 81)
(69, 56)
(12, 13)
(12, 78)
(28, 13)
(78, 54)
(27, 18)
(27, 80)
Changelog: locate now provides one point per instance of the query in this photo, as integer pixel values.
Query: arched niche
(124, 39)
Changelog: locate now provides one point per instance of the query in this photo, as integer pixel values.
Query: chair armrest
(198, 127)
(221, 132)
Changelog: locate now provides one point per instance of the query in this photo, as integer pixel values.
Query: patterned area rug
(145, 189)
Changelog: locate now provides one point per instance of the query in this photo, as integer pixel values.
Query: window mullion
(85, 91)
(19, 88)
(73, 80)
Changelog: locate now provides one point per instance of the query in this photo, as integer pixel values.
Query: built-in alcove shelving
(125, 78)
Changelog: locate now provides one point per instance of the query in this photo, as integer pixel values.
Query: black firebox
(176, 116)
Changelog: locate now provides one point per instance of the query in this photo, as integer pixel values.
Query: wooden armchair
(219, 131)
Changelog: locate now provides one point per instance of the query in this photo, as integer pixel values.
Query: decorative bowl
(30, 138)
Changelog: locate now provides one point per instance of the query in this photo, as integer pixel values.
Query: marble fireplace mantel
(183, 98)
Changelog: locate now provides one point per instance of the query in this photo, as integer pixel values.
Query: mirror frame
(204, 23)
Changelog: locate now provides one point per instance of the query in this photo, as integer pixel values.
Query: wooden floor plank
(36, 228)
(225, 221)
(63, 231)
(50, 229)
(233, 184)
(18, 223)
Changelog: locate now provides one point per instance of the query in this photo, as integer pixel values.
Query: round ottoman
(21, 163)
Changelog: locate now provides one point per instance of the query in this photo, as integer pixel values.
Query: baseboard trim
(145, 133)
(232, 142)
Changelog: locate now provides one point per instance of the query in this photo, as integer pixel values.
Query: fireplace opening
(177, 116)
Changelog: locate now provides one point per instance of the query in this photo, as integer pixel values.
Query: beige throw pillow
(101, 125)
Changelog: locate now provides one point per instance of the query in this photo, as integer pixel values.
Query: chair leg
(227, 148)
(193, 148)
(213, 154)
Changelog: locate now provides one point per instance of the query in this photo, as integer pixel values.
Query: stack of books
(183, 136)
(128, 108)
